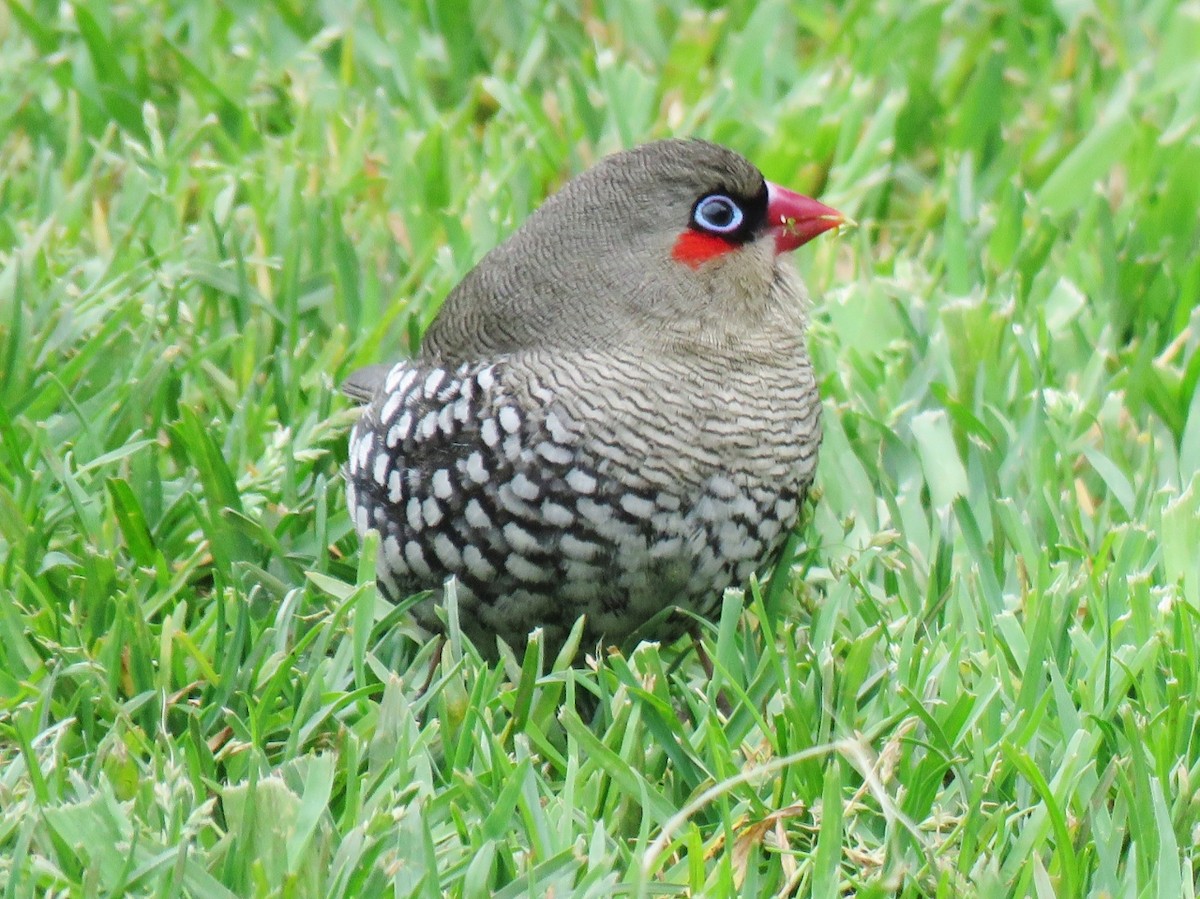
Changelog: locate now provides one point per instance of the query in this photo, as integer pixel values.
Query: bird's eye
(718, 214)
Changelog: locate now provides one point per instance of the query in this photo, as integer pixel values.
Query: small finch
(612, 415)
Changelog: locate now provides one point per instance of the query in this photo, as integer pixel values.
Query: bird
(612, 415)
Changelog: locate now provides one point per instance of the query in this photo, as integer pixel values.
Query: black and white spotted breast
(486, 474)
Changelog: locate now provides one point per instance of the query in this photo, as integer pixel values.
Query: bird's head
(675, 243)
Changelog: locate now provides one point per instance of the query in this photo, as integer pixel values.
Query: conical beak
(796, 219)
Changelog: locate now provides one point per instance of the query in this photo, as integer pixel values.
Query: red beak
(796, 219)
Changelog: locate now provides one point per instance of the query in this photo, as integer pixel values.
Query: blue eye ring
(718, 214)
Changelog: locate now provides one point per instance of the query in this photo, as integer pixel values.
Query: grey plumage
(363, 384)
(601, 420)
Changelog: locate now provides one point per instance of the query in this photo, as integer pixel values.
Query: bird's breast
(551, 486)
(672, 421)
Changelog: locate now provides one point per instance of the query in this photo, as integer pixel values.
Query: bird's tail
(363, 384)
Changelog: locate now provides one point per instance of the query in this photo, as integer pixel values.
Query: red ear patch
(695, 247)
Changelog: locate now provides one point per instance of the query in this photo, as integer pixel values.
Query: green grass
(980, 677)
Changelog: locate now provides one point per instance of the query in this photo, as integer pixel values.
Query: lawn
(978, 675)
